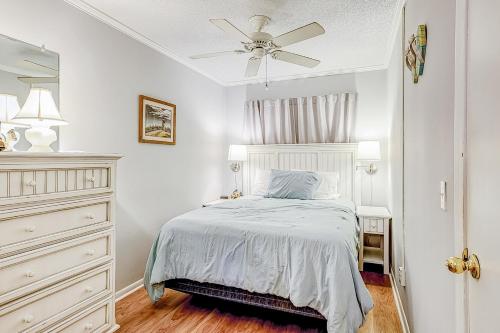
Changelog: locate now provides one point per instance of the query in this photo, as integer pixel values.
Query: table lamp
(40, 112)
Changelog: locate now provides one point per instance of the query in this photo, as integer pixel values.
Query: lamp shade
(369, 151)
(9, 107)
(237, 153)
(40, 110)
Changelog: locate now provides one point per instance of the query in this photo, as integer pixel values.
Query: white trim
(459, 164)
(122, 293)
(105, 18)
(399, 305)
(337, 71)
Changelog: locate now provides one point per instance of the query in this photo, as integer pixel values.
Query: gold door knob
(465, 263)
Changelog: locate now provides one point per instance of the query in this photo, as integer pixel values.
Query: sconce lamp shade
(237, 153)
(9, 107)
(369, 151)
(40, 110)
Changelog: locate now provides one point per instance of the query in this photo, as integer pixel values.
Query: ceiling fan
(260, 43)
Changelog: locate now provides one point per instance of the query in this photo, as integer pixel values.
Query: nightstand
(374, 223)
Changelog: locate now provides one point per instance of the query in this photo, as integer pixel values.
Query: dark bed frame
(266, 301)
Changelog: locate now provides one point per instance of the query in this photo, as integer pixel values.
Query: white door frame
(459, 163)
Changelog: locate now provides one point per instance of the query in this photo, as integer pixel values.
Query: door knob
(465, 263)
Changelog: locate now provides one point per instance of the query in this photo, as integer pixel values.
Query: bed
(294, 255)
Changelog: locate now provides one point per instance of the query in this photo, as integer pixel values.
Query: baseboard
(399, 305)
(122, 293)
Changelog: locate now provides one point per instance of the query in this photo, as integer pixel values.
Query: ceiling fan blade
(308, 31)
(216, 54)
(253, 66)
(226, 26)
(296, 59)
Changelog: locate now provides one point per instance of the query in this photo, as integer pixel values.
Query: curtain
(314, 119)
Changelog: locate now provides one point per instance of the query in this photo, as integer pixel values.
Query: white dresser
(57, 236)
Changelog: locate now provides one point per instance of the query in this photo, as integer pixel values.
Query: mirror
(24, 66)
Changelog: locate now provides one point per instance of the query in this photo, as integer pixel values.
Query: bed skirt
(266, 301)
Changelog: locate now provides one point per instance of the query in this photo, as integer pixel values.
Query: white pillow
(261, 182)
(328, 186)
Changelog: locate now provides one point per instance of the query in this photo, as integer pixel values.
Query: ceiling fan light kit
(260, 44)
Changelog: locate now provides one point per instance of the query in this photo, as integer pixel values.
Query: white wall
(428, 158)
(102, 73)
(371, 122)
(395, 159)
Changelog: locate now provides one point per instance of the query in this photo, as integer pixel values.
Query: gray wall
(371, 121)
(428, 158)
(102, 73)
(395, 164)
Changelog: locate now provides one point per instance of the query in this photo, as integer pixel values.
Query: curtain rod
(296, 97)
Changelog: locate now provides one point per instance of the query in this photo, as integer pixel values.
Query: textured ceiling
(358, 35)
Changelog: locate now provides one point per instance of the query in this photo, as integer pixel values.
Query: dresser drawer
(18, 184)
(373, 225)
(23, 228)
(22, 274)
(37, 312)
(95, 319)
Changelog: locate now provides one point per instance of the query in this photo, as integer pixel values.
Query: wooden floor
(178, 313)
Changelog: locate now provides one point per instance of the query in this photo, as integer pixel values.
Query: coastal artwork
(415, 52)
(156, 121)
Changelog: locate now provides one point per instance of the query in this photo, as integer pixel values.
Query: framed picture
(156, 121)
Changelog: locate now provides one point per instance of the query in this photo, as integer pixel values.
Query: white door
(482, 164)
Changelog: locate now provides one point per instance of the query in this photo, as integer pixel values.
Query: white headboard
(339, 157)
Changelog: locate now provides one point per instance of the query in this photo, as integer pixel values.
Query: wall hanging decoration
(415, 52)
(156, 121)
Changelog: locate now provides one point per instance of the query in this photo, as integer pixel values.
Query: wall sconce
(369, 151)
(237, 154)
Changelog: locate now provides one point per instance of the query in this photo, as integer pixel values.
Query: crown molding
(103, 17)
(308, 75)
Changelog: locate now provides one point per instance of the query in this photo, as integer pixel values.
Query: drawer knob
(89, 289)
(90, 217)
(30, 183)
(29, 274)
(88, 326)
(28, 319)
(30, 228)
(91, 179)
(90, 252)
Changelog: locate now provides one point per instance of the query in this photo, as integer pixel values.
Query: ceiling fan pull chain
(267, 87)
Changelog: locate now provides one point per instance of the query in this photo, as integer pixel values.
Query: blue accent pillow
(286, 184)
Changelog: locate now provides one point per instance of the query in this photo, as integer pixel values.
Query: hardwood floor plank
(181, 313)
